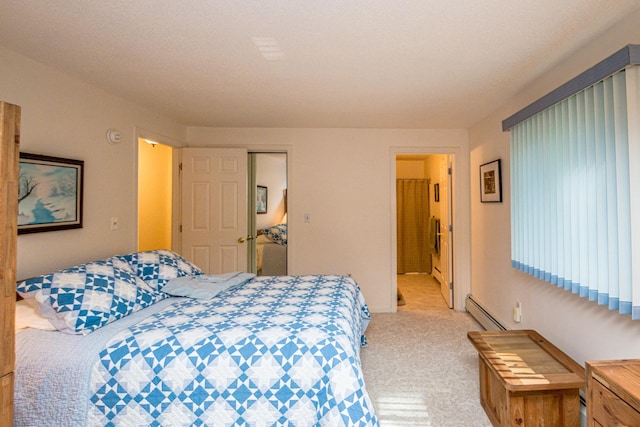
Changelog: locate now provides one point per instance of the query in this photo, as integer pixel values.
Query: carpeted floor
(420, 369)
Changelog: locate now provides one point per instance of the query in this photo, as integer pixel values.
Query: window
(575, 184)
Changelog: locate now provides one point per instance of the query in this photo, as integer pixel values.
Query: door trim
(461, 220)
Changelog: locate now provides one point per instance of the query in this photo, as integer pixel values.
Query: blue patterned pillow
(277, 234)
(81, 299)
(157, 267)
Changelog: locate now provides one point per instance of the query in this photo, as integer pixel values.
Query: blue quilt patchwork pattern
(157, 267)
(277, 351)
(277, 234)
(81, 299)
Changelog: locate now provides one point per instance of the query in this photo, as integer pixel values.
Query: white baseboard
(482, 316)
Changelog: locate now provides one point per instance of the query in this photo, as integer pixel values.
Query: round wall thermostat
(113, 136)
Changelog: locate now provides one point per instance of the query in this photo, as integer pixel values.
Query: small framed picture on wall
(490, 182)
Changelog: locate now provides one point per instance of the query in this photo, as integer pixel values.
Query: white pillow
(28, 317)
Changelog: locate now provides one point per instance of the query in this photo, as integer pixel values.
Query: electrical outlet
(114, 223)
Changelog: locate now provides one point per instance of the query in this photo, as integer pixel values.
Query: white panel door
(214, 208)
(446, 254)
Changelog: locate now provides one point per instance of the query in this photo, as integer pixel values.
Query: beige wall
(155, 163)
(64, 117)
(345, 180)
(342, 177)
(583, 329)
(411, 169)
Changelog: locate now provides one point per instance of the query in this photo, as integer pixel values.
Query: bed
(271, 245)
(272, 350)
(272, 257)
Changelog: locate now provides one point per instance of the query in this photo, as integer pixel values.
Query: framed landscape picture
(261, 202)
(490, 182)
(49, 193)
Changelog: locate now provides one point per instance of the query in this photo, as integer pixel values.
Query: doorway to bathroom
(423, 217)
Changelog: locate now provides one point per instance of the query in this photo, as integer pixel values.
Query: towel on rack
(434, 235)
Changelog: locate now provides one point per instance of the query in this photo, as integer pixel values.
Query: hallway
(420, 369)
(420, 292)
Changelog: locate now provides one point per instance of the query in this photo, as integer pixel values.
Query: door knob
(240, 240)
(249, 237)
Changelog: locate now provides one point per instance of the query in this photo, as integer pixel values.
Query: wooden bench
(527, 381)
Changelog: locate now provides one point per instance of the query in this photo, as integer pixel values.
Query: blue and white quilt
(276, 351)
(276, 233)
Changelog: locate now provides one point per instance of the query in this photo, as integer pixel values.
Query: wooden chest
(527, 381)
(613, 393)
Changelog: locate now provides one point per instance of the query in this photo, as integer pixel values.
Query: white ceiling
(339, 63)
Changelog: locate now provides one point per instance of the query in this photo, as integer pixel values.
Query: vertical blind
(570, 191)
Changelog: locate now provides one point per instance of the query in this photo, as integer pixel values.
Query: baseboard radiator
(490, 323)
(482, 316)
